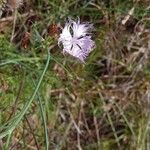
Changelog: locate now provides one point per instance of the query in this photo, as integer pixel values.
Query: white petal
(66, 32)
(86, 43)
(81, 29)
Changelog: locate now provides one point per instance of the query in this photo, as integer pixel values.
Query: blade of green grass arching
(43, 115)
(111, 122)
(8, 141)
(147, 129)
(113, 128)
(19, 117)
(126, 120)
(17, 60)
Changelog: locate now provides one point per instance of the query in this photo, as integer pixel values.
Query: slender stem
(8, 141)
(17, 60)
(19, 117)
(43, 115)
(45, 126)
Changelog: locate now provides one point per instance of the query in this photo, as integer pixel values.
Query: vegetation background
(51, 101)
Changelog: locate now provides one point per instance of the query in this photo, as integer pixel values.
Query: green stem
(43, 115)
(27, 105)
(15, 61)
(45, 126)
(8, 141)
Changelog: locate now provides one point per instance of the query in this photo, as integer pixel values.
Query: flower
(76, 39)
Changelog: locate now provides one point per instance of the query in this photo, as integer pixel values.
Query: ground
(50, 100)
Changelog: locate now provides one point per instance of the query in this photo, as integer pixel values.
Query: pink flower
(76, 39)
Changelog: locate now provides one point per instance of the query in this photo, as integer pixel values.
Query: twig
(32, 132)
(11, 18)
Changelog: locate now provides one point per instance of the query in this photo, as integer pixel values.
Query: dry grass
(103, 104)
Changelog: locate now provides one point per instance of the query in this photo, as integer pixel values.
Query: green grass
(52, 101)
